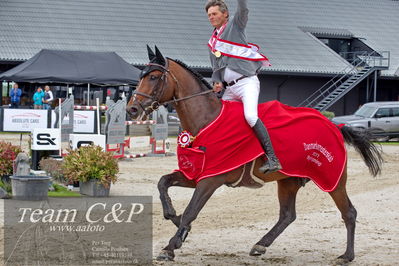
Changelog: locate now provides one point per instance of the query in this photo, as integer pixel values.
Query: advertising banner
(24, 120)
(78, 140)
(140, 142)
(84, 121)
(46, 139)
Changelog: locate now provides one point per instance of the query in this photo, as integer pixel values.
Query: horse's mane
(197, 75)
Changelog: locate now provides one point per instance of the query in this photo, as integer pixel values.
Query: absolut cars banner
(83, 122)
(78, 231)
(24, 120)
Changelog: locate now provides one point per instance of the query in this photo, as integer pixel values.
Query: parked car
(381, 118)
(174, 124)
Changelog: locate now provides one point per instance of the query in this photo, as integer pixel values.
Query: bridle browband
(156, 96)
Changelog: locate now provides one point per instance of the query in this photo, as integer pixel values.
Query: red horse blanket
(307, 144)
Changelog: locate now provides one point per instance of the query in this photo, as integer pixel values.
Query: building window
(340, 46)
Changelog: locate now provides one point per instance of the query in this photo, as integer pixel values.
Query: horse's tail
(360, 140)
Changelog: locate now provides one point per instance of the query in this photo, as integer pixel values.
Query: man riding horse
(318, 154)
(235, 66)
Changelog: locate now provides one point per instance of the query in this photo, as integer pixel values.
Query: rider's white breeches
(245, 90)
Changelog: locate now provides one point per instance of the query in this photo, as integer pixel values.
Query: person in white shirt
(48, 98)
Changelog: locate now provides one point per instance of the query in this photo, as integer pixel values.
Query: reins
(187, 97)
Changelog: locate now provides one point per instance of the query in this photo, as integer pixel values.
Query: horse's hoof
(344, 259)
(166, 255)
(257, 250)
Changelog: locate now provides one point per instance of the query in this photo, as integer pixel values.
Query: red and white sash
(236, 50)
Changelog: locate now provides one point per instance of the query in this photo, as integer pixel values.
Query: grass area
(61, 191)
(14, 133)
(6, 186)
(390, 143)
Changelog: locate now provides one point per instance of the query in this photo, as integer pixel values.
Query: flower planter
(30, 187)
(94, 188)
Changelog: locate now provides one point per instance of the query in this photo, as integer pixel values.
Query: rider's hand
(217, 86)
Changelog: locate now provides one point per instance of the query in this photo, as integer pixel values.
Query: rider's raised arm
(241, 15)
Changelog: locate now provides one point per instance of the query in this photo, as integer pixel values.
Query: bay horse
(170, 81)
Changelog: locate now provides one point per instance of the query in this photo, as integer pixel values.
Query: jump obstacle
(119, 148)
(51, 139)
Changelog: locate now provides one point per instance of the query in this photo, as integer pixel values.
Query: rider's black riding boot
(272, 164)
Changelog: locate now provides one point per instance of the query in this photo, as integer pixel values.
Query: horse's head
(154, 89)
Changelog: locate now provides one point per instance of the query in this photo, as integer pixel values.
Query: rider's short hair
(220, 3)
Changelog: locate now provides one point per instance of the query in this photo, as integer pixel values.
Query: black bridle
(159, 89)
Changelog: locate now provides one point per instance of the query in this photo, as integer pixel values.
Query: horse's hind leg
(348, 213)
(287, 191)
(166, 181)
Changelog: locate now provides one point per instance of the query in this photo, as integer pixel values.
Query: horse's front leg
(166, 181)
(203, 191)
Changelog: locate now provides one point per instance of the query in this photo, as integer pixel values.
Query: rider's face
(216, 17)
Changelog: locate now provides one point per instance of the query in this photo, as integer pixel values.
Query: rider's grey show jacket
(234, 32)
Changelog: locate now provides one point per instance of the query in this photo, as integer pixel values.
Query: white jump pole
(69, 90)
(88, 94)
(60, 122)
(98, 116)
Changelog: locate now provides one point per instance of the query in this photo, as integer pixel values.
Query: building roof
(180, 29)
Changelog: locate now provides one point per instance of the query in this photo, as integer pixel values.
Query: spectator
(38, 98)
(15, 95)
(48, 98)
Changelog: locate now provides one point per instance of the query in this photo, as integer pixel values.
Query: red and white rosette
(185, 139)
